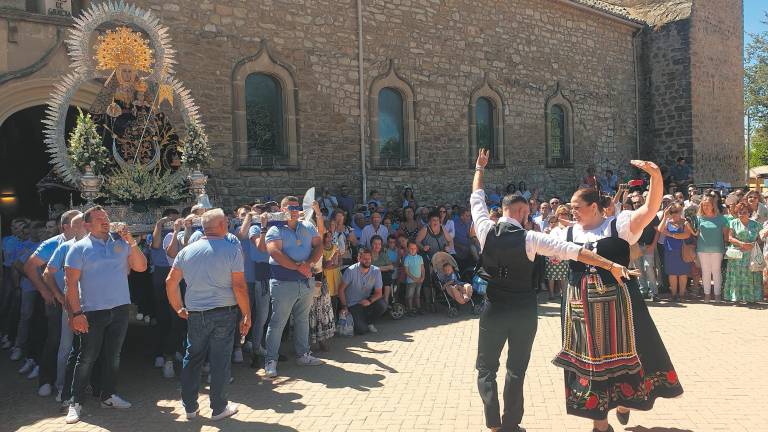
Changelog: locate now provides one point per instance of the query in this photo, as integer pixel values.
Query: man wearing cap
(292, 248)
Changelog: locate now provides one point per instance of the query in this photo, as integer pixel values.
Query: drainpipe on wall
(637, 90)
(363, 172)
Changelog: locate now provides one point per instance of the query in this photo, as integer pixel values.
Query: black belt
(218, 309)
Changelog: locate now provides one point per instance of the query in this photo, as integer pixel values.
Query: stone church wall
(717, 77)
(665, 93)
(443, 50)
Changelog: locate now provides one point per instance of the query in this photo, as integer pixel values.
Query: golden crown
(123, 46)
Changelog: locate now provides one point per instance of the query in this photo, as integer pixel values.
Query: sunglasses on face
(295, 208)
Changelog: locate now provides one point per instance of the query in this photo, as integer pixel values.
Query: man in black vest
(508, 253)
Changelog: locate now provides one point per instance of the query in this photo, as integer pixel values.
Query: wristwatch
(180, 310)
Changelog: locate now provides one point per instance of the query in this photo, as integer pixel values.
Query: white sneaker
(73, 415)
(27, 366)
(44, 390)
(237, 356)
(168, 371)
(159, 361)
(191, 415)
(15, 353)
(270, 369)
(115, 401)
(372, 328)
(139, 316)
(229, 410)
(35, 373)
(308, 360)
(248, 347)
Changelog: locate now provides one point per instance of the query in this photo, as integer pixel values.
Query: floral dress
(556, 270)
(742, 284)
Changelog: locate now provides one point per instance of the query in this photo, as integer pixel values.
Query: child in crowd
(461, 292)
(331, 268)
(413, 265)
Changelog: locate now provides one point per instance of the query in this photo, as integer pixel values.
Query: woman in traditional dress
(741, 283)
(612, 353)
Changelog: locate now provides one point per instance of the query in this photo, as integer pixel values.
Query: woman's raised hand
(651, 168)
(482, 158)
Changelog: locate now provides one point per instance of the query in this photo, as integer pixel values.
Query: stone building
(552, 86)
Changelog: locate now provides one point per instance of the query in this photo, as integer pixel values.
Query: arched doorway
(24, 162)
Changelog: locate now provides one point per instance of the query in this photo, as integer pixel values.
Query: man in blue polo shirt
(96, 270)
(292, 248)
(53, 298)
(258, 291)
(360, 293)
(169, 331)
(213, 270)
(53, 276)
(11, 244)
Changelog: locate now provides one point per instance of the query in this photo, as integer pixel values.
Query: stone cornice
(15, 14)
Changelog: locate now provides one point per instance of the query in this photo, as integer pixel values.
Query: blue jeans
(104, 341)
(289, 298)
(259, 295)
(647, 265)
(210, 335)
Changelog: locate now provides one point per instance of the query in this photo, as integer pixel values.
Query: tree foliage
(758, 154)
(756, 77)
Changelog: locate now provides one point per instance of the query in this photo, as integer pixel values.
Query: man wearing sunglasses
(292, 249)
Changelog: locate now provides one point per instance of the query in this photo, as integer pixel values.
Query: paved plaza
(418, 375)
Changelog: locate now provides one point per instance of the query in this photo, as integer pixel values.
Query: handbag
(689, 253)
(733, 253)
(756, 261)
(346, 325)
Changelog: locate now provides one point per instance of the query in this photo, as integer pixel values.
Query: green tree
(758, 154)
(756, 77)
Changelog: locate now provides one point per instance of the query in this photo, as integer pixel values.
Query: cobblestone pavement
(418, 375)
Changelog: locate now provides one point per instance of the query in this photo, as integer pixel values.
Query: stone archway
(23, 157)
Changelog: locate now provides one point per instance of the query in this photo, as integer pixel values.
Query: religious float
(141, 146)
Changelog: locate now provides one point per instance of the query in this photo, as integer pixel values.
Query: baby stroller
(439, 261)
(396, 308)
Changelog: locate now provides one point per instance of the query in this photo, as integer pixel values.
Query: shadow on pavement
(655, 429)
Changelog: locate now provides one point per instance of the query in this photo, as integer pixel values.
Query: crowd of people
(216, 285)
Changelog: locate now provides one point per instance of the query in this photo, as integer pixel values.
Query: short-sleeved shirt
(158, 257)
(48, 247)
(57, 263)
(711, 234)
(413, 263)
(10, 244)
(359, 285)
(245, 245)
(207, 266)
(297, 245)
(257, 255)
(649, 232)
(28, 249)
(382, 260)
(104, 269)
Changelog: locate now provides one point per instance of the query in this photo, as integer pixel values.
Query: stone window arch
(486, 123)
(392, 121)
(559, 130)
(265, 120)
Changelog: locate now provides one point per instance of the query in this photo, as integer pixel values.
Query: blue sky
(754, 14)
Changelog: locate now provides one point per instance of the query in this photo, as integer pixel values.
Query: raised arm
(642, 216)
(482, 161)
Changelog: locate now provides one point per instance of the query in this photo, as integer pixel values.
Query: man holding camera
(98, 299)
(292, 248)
